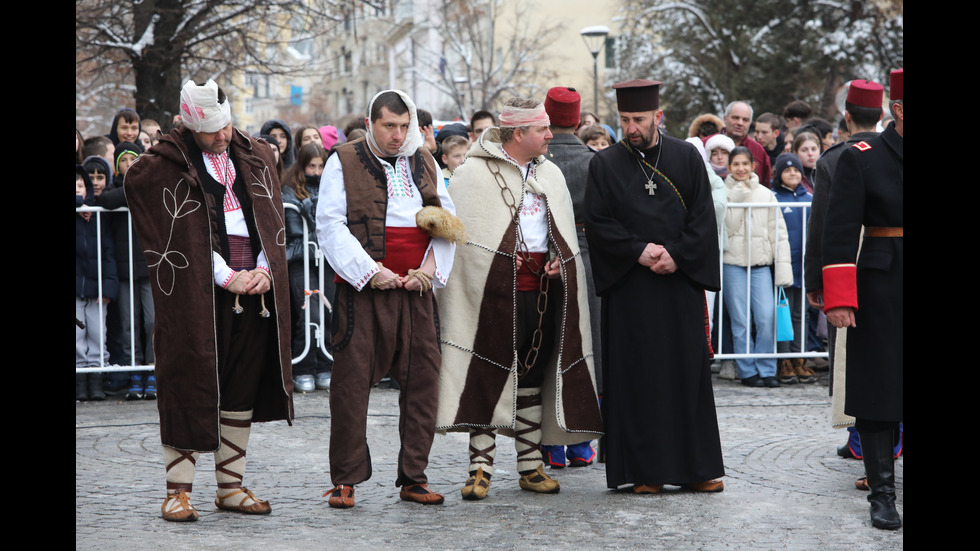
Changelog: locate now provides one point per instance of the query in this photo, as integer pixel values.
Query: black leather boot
(879, 464)
(81, 387)
(95, 391)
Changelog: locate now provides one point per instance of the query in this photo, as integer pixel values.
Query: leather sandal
(177, 508)
(257, 507)
(647, 488)
(341, 497)
(420, 493)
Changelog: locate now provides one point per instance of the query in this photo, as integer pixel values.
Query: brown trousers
(377, 332)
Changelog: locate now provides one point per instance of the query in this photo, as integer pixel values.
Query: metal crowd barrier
(321, 332)
(801, 330)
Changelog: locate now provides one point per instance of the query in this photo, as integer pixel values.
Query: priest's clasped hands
(657, 259)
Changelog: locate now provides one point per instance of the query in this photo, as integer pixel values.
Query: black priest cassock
(658, 405)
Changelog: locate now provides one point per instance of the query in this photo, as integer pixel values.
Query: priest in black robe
(651, 228)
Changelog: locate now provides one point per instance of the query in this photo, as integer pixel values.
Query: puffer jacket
(769, 242)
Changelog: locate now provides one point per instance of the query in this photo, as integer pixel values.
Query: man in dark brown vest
(375, 195)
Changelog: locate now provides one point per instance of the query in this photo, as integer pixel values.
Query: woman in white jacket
(757, 242)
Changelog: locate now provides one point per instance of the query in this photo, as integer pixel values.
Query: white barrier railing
(802, 329)
(321, 331)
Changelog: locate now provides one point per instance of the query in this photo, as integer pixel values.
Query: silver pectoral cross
(651, 187)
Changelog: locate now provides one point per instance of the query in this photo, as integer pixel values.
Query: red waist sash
(404, 249)
(529, 274)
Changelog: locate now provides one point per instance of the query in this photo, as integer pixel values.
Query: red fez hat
(563, 106)
(896, 93)
(638, 95)
(865, 93)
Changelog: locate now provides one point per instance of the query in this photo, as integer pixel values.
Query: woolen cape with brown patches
(478, 381)
(172, 218)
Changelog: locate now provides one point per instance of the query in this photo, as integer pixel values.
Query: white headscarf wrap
(516, 117)
(200, 110)
(413, 139)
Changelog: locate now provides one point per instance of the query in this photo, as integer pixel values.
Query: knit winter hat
(452, 129)
(719, 140)
(125, 147)
(329, 136)
(784, 161)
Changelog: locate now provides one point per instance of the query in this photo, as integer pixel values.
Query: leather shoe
(420, 493)
(647, 488)
(770, 382)
(341, 497)
(862, 484)
(754, 381)
(706, 486)
(845, 451)
(537, 481)
(476, 486)
(256, 507)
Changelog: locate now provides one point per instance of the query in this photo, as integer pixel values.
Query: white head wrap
(516, 117)
(413, 139)
(200, 110)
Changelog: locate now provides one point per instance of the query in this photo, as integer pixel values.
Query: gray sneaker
(323, 380)
(304, 383)
(727, 370)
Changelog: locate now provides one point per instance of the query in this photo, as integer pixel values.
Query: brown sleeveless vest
(367, 191)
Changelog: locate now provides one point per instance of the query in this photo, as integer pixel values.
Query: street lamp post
(595, 38)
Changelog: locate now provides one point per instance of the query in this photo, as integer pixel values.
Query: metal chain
(542, 303)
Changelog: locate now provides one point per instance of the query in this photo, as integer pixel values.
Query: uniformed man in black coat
(866, 295)
(862, 112)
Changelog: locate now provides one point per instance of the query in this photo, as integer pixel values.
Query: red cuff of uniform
(840, 286)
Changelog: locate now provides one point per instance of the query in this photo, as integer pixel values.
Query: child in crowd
(101, 146)
(284, 137)
(301, 187)
(125, 154)
(454, 150)
(718, 148)
(787, 186)
(747, 271)
(133, 329)
(96, 282)
(152, 129)
(79, 144)
(125, 127)
(308, 134)
(807, 147)
(144, 140)
(596, 137)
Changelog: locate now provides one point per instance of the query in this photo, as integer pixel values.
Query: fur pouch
(439, 222)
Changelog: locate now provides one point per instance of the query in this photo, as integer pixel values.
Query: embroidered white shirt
(344, 252)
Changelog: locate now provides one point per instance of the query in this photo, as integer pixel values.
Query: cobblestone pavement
(786, 488)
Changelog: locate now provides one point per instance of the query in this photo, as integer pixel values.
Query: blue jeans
(763, 318)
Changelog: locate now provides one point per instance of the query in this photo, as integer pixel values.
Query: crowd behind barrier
(321, 333)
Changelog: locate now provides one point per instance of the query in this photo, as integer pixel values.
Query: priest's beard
(644, 140)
